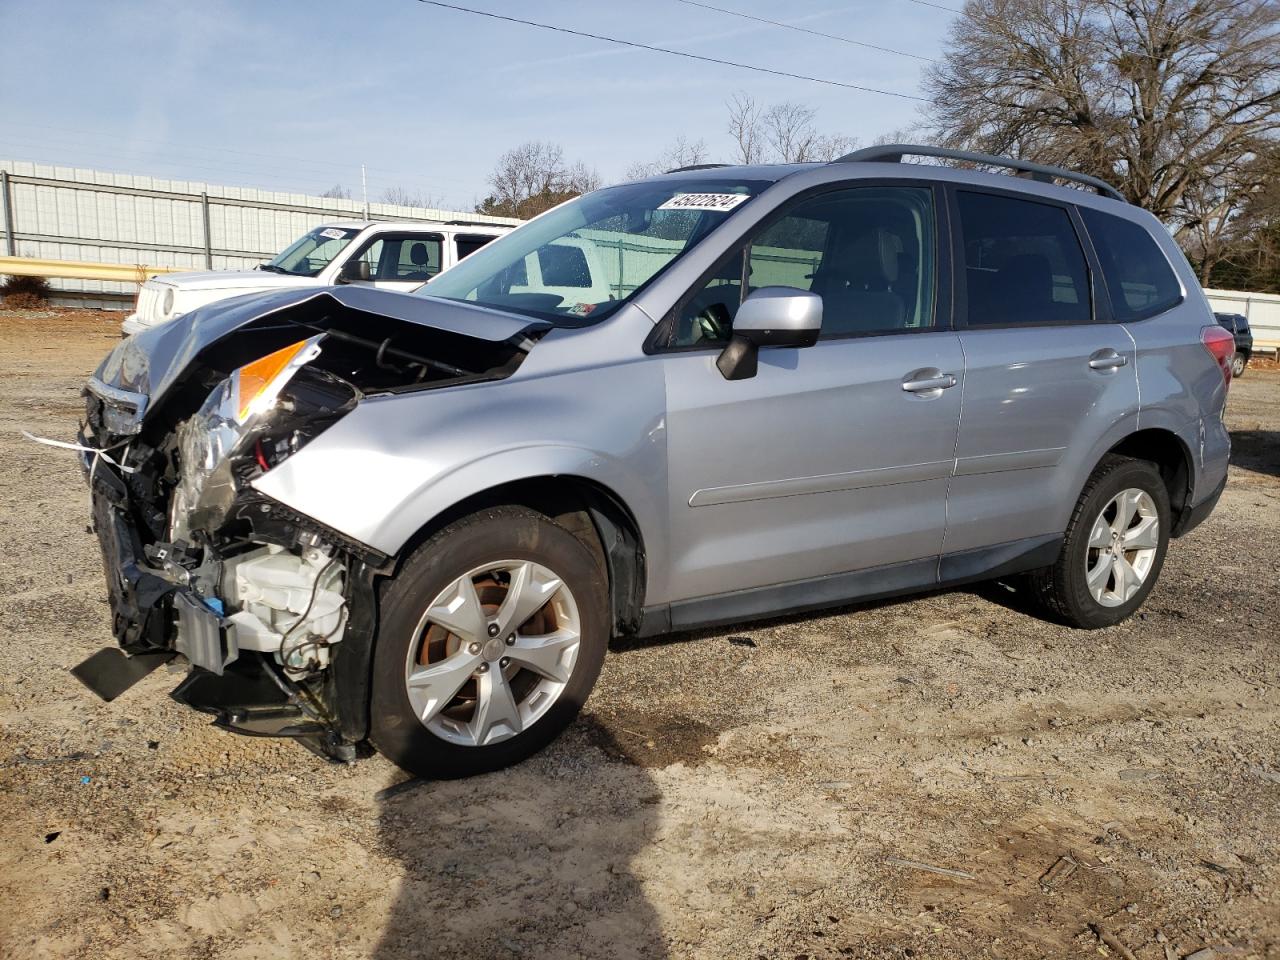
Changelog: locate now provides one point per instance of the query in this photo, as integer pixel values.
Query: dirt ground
(946, 776)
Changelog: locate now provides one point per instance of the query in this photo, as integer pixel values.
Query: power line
(799, 29)
(667, 50)
(938, 6)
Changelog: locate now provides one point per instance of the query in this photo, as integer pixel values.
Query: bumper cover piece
(110, 671)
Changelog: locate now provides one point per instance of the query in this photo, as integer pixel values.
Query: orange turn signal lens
(257, 376)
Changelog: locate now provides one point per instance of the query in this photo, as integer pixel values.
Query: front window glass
(393, 257)
(312, 252)
(587, 257)
(867, 251)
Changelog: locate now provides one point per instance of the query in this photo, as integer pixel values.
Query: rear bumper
(1197, 514)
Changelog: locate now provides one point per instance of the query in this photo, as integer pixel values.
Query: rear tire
(463, 687)
(1114, 547)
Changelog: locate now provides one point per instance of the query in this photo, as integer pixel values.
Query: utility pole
(364, 189)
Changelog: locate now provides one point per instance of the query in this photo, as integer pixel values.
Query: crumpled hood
(149, 362)
(209, 280)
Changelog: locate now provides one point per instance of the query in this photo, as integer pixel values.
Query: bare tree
(402, 197)
(337, 192)
(1168, 99)
(681, 153)
(781, 133)
(789, 130)
(534, 177)
(745, 128)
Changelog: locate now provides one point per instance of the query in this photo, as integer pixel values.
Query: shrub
(24, 293)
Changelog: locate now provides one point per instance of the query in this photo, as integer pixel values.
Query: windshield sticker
(704, 201)
(333, 233)
(582, 309)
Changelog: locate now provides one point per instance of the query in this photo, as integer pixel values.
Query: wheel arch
(1171, 456)
(592, 511)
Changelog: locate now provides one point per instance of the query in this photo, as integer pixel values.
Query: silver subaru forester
(414, 521)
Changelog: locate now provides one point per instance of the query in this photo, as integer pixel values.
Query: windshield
(584, 259)
(312, 252)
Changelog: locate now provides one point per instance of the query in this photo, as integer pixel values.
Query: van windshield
(311, 252)
(581, 261)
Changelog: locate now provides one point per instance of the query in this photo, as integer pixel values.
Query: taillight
(1221, 346)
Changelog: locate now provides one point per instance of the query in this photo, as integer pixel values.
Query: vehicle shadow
(534, 861)
(1256, 450)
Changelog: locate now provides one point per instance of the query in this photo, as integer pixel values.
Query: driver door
(402, 262)
(831, 460)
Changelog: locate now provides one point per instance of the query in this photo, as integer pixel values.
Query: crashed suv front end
(274, 610)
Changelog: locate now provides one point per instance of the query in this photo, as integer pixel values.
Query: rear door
(833, 459)
(1048, 375)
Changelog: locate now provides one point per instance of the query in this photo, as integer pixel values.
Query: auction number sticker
(704, 201)
(333, 233)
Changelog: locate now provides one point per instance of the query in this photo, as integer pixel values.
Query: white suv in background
(390, 256)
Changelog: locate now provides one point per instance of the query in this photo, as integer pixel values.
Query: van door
(1048, 376)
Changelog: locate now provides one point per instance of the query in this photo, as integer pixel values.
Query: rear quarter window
(1140, 281)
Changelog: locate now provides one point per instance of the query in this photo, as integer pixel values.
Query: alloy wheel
(492, 653)
(1122, 547)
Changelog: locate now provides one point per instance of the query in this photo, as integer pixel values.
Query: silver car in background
(416, 521)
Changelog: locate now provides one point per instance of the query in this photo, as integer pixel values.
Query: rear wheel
(491, 637)
(1114, 547)
(1238, 363)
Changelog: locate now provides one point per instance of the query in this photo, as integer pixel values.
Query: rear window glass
(1023, 262)
(1139, 279)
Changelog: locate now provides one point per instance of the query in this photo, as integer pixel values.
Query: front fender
(393, 464)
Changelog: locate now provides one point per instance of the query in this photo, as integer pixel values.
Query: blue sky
(292, 95)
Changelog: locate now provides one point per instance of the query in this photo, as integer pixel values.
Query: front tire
(1114, 547)
(490, 639)
(1238, 363)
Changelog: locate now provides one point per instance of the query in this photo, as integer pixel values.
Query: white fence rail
(64, 213)
(1262, 309)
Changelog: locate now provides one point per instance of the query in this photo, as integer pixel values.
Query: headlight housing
(166, 303)
(226, 423)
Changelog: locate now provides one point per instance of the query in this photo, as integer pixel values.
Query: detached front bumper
(153, 612)
(141, 600)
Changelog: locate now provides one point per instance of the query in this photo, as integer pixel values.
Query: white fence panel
(1262, 309)
(63, 213)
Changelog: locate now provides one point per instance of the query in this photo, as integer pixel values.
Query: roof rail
(894, 152)
(472, 223)
(696, 166)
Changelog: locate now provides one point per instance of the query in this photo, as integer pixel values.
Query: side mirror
(354, 271)
(770, 317)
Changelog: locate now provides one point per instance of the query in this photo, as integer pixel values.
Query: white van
(390, 256)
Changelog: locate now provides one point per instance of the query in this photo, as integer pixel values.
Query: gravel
(750, 792)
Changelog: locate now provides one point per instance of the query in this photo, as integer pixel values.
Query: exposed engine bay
(265, 604)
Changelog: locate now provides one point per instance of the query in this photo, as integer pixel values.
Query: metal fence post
(208, 235)
(6, 197)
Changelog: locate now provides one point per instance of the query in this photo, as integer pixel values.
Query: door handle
(925, 384)
(1107, 359)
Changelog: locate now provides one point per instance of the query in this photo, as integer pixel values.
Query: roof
(416, 225)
